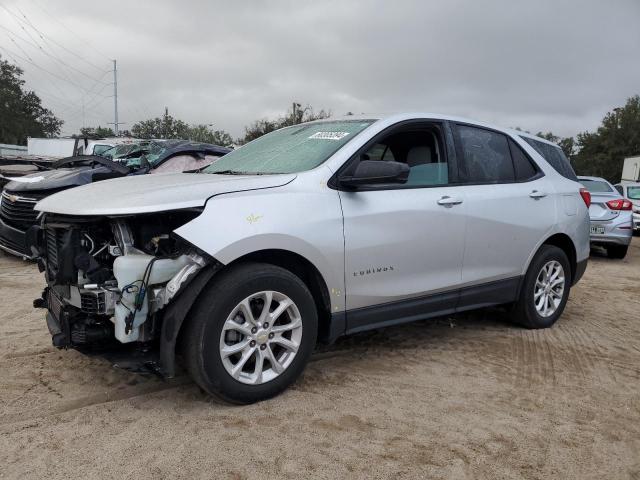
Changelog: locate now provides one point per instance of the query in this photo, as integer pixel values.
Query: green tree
(161, 127)
(170, 127)
(567, 144)
(96, 132)
(602, 153)
(203, 133)
(294, 116)
(21, 112)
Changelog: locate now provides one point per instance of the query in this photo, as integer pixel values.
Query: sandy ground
(467, 397)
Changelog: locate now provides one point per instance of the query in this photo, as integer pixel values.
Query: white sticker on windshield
(329, 135)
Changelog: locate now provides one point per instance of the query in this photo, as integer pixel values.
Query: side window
(619, 189)
(380, 152)
(524, 168)
(486, 156)
(554, 156)
(421, 148)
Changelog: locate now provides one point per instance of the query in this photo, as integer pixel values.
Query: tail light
(619, 204)
(586, 196)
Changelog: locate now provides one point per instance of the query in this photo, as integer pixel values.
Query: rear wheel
(617, 251)
(545, 289)
(251, 334)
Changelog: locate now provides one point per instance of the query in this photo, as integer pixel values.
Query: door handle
(448, 201)
(537, 195)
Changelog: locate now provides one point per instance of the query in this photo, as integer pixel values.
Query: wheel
(252, 333)
(617, 251)
(545, 289)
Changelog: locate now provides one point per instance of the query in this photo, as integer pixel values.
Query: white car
(631, 191)
(309, 233)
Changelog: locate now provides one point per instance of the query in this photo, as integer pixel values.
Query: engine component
(98, 302)
(135, 274)
(162, 296)
(91, 268)
(85, 334)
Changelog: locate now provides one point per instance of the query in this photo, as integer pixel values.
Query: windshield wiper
(232, 172)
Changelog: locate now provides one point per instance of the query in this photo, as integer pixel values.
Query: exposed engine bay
(109, 278)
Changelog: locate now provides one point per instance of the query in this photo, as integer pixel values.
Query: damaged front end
(110, 280)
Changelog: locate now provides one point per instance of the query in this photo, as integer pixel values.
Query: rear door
(509, 206)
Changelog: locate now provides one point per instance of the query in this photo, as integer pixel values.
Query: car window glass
(596, 186)
(523, 166)
(290, 150)
(619, 189)
(100, 149)
(486, 156)
(633, 193)
(420, 149)
(380, 152)
(554, 156)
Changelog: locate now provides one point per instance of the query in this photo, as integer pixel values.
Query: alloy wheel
(549, 288)
(260, 337)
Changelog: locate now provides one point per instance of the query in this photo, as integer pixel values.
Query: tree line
(599, 153)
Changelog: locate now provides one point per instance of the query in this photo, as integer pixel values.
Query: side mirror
(372, 172)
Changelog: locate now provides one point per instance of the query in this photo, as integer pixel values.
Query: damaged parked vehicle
(147, 156)
(306, 234)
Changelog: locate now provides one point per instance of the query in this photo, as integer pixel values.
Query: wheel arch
(564, 243)
(176, 316)
(306, 271)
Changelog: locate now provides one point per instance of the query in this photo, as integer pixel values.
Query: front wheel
(252, 333)
(545, 289)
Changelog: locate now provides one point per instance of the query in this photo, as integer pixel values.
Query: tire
(617, 251)
(526, 312)
(249, 284)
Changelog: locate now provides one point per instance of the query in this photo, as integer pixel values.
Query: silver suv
(306, 234)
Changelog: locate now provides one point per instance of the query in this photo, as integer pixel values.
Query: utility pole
(116, 124)
(115, 97)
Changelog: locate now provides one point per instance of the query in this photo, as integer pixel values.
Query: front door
(404, 243)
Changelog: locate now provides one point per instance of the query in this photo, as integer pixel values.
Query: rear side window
(555, 156)
(486, 155)
(524, 168)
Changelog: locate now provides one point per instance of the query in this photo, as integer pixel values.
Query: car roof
(399, 117)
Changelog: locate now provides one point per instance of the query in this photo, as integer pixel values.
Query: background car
(631, 191)
(610, 215)
(148, 156)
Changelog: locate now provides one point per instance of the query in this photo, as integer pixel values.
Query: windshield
(596, 186)
(131, 154)
(100, 149)
(633, 193)
(290, 150)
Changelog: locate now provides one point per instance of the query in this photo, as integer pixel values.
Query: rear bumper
(618, 231)
(14, 241)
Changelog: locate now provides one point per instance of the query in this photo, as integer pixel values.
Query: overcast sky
(541, 65)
